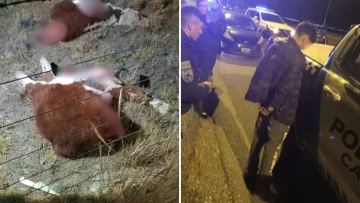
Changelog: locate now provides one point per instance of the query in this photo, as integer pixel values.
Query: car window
(241, 22)
(250, 13)
(256, 14)
(351, 63)
(272, 18)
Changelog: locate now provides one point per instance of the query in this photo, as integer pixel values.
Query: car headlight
(260, 41)
(292, 33)
(274, 30)
(228, 36)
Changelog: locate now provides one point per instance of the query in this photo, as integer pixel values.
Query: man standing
(206, 46)
(275, 86)
(218, 23)
(192, 88)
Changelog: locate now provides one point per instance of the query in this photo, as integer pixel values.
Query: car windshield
(272, 18)
(241, 22)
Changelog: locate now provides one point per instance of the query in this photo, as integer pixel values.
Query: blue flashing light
(261, 8)
(264, 9)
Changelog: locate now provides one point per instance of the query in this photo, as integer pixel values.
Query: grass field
(146, 168)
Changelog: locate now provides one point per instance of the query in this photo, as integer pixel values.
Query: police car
(327, 125)
(267, 19)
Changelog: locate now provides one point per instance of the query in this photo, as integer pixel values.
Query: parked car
(242, 36)
(267, 19)
(321, 38)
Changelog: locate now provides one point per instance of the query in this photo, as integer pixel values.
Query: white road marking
(227, 101)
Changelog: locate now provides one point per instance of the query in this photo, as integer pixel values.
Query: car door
(249, 13)
(256, 18)
(339, 130)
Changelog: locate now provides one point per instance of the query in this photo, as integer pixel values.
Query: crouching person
(192, 90)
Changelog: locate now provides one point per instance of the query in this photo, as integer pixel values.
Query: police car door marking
(312, 66)
(187, 73)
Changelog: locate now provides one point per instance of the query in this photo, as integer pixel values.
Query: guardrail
(330, 28)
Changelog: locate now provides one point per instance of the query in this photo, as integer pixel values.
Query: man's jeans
(269, 134)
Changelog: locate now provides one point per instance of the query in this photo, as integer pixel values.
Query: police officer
(192, 88)
(218, 23)
(208, 44)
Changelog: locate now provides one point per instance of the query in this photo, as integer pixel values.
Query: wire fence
(48, 145)
(81, 155)
(81, 62)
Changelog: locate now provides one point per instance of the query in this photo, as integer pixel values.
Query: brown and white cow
(68, 110)
(71, 19)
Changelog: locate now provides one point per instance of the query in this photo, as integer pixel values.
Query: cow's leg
(23, 79)
(25, 82)
(104, 77)
(105, 96)
(48, 75)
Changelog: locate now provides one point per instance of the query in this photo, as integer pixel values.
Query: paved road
(214, 152)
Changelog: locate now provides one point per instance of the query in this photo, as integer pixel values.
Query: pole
(327, 10)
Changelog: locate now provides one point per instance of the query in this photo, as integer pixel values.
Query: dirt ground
(143, 163)
(210, 172)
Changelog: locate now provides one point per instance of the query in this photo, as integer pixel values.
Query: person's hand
(209, 84)
(265, 111)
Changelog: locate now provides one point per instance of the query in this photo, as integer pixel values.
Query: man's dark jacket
(277, 80)
(191, 88)
(206, 49)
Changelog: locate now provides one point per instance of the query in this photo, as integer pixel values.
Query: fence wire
(48, 145)
(81, 62)
(68, 105)
(76, 157)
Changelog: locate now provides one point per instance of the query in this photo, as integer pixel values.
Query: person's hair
(199, 1)
(306, 28)
(187, 12)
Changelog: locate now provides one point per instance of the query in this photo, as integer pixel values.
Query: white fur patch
(45, 65)
(93, 90)
(25, 79)
(62, 80)
(105, 96)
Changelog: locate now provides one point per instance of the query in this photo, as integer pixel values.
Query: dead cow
(69, 111)
(70, 19)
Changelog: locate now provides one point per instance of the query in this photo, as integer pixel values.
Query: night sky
(342, 13)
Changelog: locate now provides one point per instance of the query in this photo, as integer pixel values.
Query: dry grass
(146, 168)
(162, 13)
(4, 145)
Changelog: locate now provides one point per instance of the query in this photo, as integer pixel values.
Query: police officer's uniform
(192, 90)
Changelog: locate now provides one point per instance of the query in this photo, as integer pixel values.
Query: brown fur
(68, 129)
(74, 20)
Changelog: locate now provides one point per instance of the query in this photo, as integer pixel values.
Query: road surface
(214, 151)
